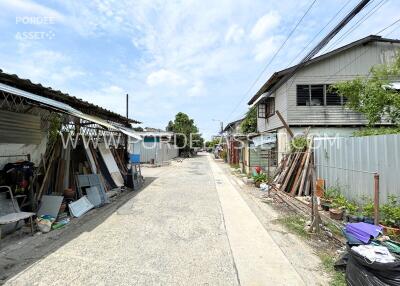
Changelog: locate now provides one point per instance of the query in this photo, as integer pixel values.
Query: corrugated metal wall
(350, 163)
(158, 151)
(19, 128)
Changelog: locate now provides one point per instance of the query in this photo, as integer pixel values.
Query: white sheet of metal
(264, 139)
(130, 132)
(80, 207)
(112, 167)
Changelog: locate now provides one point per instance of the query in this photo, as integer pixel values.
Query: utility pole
(127, 108)
(127, 125)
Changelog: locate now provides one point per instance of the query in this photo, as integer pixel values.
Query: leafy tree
(184, 127)
(249, 123)
(372, 95)
(138, 128)
(211, 144)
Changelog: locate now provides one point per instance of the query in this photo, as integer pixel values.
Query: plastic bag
(44, 223)
(361, 272)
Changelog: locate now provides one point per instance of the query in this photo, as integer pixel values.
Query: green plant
(331, 193)
(368, 208)
(249, 123)
(372, 95)
(295, 224)
(299, 143)
(376, 131)
(390, 212)
(223, 154)
(351, 208)
(328, 262)
(54, 127)
(339, 202)
(235, 166)
(261, 177)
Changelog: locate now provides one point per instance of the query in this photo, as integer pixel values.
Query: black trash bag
(341, 262)
(361, 272)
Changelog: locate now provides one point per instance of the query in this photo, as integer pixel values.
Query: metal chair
(17, 215)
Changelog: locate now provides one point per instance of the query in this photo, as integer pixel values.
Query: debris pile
(294, 174)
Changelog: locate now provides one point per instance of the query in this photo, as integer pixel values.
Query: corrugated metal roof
(65, 108)
(47, 92)
(276, 76)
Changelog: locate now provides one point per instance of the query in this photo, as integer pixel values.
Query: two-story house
(305, 98)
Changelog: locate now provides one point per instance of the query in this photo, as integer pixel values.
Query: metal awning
(264, 139)
(65, 108)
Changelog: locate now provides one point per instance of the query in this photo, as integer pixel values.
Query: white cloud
(265, 24)
(197, 89)
(234, 34)
(164, 76)
(27, 8)
(266, 48)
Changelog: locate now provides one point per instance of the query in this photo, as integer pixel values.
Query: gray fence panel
(350, 163)
(158, 151)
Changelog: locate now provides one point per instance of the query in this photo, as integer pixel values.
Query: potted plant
(390, 216)
(259, 178)
(338, 206)
(368, 211)
(329, 196)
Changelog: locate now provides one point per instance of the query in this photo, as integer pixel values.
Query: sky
(197, 57)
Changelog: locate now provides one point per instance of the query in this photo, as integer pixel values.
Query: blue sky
(198, 57)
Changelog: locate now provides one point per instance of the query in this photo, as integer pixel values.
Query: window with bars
(318, 95)
(261, 110)
(303, 95)
(270, 107)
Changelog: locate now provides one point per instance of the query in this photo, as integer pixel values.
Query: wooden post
(376, 198)
(285, 124)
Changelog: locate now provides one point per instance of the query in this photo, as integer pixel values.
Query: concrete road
(189, 227)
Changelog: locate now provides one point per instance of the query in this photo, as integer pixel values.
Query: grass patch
(295, 224)
(334, 229)
(337, 277)
(235, 166)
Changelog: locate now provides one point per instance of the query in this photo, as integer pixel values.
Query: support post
(285, 124)
(376, 198)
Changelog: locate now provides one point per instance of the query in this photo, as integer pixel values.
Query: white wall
(36, 151)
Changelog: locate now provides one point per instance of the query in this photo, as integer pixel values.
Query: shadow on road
(18, 253)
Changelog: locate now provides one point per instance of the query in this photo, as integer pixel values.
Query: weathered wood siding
(344, 66)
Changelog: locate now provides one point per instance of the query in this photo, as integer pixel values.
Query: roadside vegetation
(249, 123)
(296, 225)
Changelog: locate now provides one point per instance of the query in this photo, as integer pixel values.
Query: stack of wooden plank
(293, 175)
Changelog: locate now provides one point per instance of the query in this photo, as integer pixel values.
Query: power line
(384, 29)
(272, 59)
(320, 31)
(357, 24)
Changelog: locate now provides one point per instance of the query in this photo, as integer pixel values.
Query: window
(318, 95)
(332, 98)
(261, 110)
(303, 95)
(267, 108)
(270, 107)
